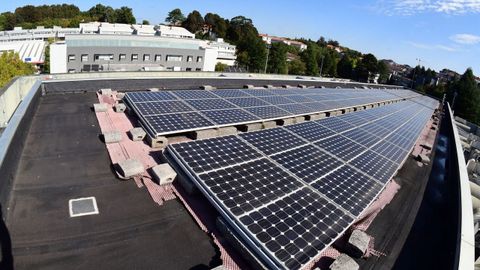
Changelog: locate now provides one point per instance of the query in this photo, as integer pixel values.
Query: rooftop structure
(273, 39)
(29, 51)
(333, 178)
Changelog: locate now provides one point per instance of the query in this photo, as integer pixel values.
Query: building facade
(273, 39)
(91, 53)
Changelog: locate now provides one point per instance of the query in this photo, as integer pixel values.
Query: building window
(174, 58)
(189, 58)
(84, 57)
(199, 59)
(188, 69)
(71, 57)
(198, 69)
(122, 57)
(146, 57)
(134, 57)
(158, 57)
(103, 57)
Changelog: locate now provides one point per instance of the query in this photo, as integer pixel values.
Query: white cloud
(466, 39)
(432, 46)
(411, 7)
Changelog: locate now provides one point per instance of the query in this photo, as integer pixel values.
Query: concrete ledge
(158, 142)
(112, 137)
(225, 131)
(205, 134)
(137, 134)
(100, 107)
(251, 127)
(269, 124)
(344, 262)
(130, 168)
(163, 174)
(120, 108)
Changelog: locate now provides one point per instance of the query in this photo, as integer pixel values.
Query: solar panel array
(168, 112)
(290, 192)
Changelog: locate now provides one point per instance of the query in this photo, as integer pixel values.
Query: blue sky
(441, 33)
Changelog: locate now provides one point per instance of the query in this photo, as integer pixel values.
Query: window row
(134, 57)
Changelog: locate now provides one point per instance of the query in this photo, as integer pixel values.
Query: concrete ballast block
(268, 86)
(120, 107)
(288, 121)
(269, 124)
(225, 131)
(302, 86)
(299, 119)
(130, 167)
(112, 136)
(163, 174)
(248, 86)
(120, 95)
(157, 142)
(358, 243)
(423, 158)
(106, 91)
(137, 134)
(286, 86)
(427, 146)
(206, 87)
(317, 116)
(344, 262)
(205, 134)
(100, 107)
(251, 127)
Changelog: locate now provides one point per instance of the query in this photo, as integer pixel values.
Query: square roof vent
(83, 207)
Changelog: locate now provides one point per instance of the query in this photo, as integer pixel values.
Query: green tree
(217, 25)
(125, 15)
(367, 68)
(345, 67)
(11, 66)
(296, 67)
(467, 100)
(175, 17)
(145, 22)
(383, 71)
(194, 22)
(220, 67)
(309, 57)
(277, 59)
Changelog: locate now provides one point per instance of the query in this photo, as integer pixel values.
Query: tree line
(63, 15)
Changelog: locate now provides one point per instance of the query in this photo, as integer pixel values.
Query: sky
(435, 33)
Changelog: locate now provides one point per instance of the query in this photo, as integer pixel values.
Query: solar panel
(162, 107)
(210, 104)
(311, 131)
(178, 122)
(348, 188)
(267, 112)
(230, 116)
(276, 100)
(289, 195)
(296, 109)
(299, 98)
(230, 93)
(317, 106)
(151, 96)
(247, 102)
(193, 94)
(271, 141)
(258, 92)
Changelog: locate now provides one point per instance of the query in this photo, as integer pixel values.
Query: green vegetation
(175, 17)
(466, 93)
(220, 67)
(11, 66)
(63, 15)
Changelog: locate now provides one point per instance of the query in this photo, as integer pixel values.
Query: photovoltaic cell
(162, 107)
(348, 188)
(230, 93)
(341, 147)
(206, 155)
(276, 100)
(390, 151)
(247, 102)
(178, 122)
(267, 112)
(230, 116)
(378, 167)
(307, 162)
(362, 137)
(194, 94)
(296, 109)
(271, 141)
(151, 96)
(210, 104)
(297, 227)
(335, 124)
(311, 131)
(247, 186)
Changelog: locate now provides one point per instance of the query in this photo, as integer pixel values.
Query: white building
(30, 51)
(173, 31)
(226, 52)
(273, 39)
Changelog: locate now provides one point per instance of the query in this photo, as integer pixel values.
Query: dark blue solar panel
(194, 94)
(244, 187)
(271, 141)
(150, 96)
(341, 147)
(299, 98)
(267, 112)
(362, 137)
(210, 104)
(296, 109)
(276, 100)
(258, 92)
(164, 123)
(247, 102)
(335, 124)
(162, 107)
(230, 116)
(311, 131)
(348, 188)
(206, 155)
(316, 106)
(390, 151)
(380, 168)
(307, 162)
(230, 93)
